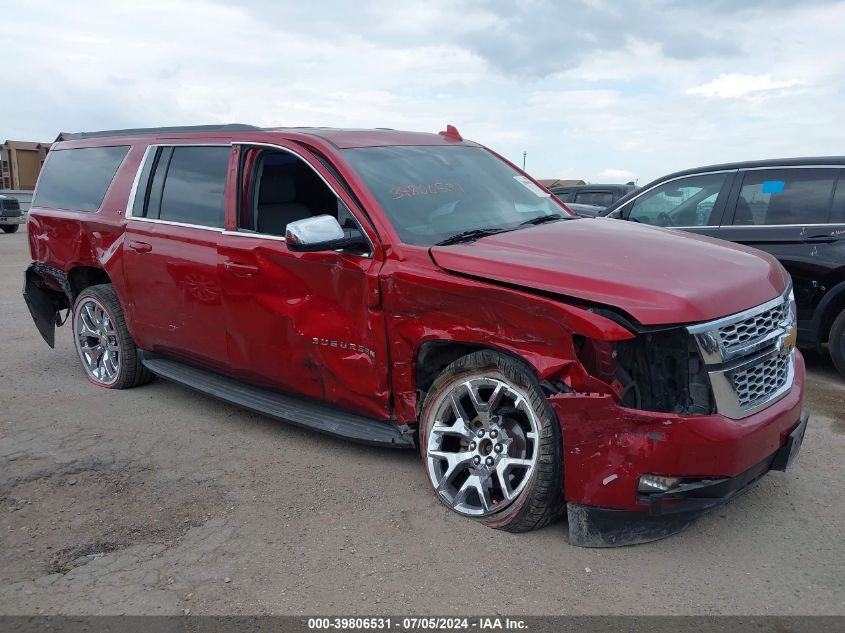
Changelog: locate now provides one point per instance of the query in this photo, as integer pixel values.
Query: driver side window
(684, 202)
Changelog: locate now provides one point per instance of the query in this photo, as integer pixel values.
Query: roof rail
(229, 127)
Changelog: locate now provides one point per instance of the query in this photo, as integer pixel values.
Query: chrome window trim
(130, 203)
(834, 166)
(773, 226)
(368, 255)
(255, 236)
(216, 229)
(668, 180)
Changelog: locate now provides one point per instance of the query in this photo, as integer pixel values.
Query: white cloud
(616, 90)
(735, 85)
(615, 175)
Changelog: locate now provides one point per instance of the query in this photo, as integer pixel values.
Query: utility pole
(524, 154)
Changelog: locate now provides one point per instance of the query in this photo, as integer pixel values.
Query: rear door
(787, 212)
(170, 252)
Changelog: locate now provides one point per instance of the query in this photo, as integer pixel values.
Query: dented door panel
(306, 323)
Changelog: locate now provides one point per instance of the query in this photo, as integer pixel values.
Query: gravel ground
(158, 501)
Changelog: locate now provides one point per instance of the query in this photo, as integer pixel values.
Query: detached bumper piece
(671, 511)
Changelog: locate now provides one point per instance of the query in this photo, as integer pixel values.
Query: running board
(299, 411)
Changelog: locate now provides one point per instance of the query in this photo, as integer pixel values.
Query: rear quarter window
(77, 179)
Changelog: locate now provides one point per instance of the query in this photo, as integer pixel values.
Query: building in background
(559, 182)
(20, 163)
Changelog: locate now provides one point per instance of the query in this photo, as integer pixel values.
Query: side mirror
(320, 233)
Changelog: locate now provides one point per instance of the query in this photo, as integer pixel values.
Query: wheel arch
(433, 356)
(82, 277)
(832, 303)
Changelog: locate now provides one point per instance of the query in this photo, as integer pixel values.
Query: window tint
(683, 202)
(437, 192)
(785, 196)
(194, 186)
(286, 189)
(78, 179)
(566, 196)
(837, 213)
(597, 198)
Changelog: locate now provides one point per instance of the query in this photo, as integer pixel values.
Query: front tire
(836, 343)
(107, 352)
(10, 228)
(491, 443)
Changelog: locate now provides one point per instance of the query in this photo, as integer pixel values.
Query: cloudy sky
(593, 89)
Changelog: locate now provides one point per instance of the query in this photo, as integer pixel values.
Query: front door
(304, 323)
(170, 253)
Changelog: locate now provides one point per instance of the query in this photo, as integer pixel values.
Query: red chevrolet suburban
(403, 289)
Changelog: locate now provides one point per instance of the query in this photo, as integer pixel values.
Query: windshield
(434, 193)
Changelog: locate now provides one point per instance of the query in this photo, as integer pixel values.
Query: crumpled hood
(658, 276)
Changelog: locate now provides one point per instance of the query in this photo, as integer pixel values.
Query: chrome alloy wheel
(96, 341)
(482, 446)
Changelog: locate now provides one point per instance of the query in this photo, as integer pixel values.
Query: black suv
(601, 196)
(792, 208)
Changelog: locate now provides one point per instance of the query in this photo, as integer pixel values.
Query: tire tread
(133, 372)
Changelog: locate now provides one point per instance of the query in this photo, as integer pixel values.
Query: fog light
(656, 483)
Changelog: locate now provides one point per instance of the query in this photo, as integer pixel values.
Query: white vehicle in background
(24, 197)
(11, 216)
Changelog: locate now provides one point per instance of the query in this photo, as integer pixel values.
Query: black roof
(228, 127)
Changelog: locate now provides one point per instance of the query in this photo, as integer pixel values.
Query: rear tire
(836, 343)
(489, 439)
(106, 351)
(10, 228)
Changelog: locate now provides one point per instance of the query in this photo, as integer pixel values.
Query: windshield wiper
(468, 236)
(542, 219)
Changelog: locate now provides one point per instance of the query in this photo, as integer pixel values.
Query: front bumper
(670, 512)
(607, 449)
(4, 220)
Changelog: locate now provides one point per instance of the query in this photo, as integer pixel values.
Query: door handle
(140, 247)
(242, 270)
(826, 238)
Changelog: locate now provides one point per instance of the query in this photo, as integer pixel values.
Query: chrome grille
(754, 328)
(759, 382)
(746, 356)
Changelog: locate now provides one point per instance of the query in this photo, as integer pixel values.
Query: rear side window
(785, 196)
(597, 198)
(77, 179)
(184, 184)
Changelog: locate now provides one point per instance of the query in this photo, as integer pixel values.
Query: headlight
(656, 483)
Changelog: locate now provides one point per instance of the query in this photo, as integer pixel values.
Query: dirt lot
(158, 500)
